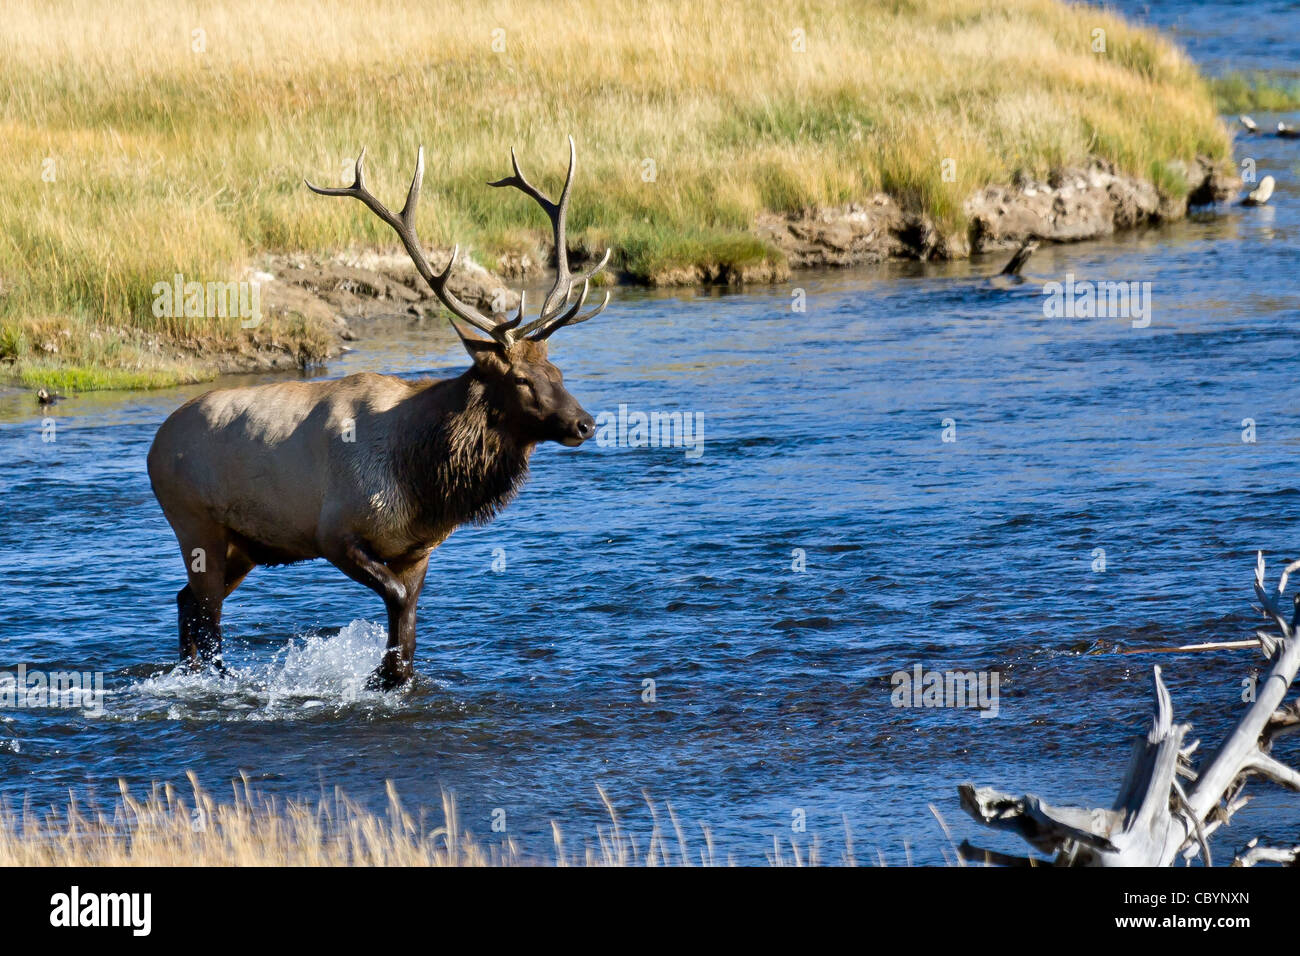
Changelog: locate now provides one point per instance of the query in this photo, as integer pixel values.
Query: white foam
(309, 674)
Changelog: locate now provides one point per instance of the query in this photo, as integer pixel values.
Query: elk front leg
(398, 665)
(400, 592)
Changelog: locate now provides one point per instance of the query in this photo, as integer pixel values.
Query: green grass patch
(1264, 92)
(652, 257)
(89, 378)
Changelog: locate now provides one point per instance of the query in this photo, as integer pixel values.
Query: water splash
(310, 675)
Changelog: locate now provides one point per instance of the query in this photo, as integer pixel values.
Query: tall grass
(167, 827)
(169, 137)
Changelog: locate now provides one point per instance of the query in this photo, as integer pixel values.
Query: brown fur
(267, 475)
(477, 467)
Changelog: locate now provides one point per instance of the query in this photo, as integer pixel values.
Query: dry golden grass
(168, 828)
(177, 135)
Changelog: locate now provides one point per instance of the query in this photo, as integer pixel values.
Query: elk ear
(489, 356)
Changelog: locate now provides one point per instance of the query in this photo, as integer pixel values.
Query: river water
(1099, 495)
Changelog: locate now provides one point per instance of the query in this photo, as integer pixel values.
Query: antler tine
(561, 237)
(520, 182)
(590, 315)
(562, 322)
(404, 225)
(604, 261)
(413, 193)
(543, 321)
(519, 316)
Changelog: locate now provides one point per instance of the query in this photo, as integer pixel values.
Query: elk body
(369, 472)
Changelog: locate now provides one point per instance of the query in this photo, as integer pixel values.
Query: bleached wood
(1255, 854)
(1155, 819)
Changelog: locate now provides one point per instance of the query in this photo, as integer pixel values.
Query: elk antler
(508, 332)
(404, 225)
(549, 320)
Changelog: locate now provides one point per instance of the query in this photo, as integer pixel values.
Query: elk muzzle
(576, 427)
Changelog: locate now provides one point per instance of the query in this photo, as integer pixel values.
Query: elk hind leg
(198, 604)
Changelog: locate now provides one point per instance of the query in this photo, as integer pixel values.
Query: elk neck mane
(457, 461)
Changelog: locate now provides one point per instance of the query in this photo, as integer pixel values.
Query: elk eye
(526, 383)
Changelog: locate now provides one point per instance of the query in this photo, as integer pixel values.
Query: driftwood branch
(1155, 819)
(1017, 261)
(1255, 854)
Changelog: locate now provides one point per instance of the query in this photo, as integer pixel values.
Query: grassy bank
(173, 138)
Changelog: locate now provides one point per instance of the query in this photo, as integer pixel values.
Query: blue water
(823, 434)
(1226, 36)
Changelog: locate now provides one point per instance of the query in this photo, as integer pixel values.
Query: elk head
(528, 393)
(523, 388)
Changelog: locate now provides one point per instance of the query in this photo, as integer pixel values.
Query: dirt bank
(1072, 205)
(312, 303)
(365, 284)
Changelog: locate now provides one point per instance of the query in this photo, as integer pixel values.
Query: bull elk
(369, 472)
